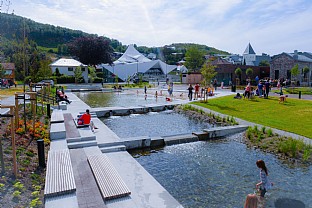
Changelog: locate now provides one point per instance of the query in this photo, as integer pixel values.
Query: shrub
(263, 129)
(16, 194)
(35, 203)
(269, 132)
(2, 186)
(35, 194)
(256, 129)
(18, 186)
(306, 154)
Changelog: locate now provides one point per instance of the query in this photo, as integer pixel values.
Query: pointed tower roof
(132, 56)
(249, 50)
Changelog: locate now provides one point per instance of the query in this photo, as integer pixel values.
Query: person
(237, 96)
(85, 119)
(215, 84)
(171, 89)
(257, 79)
(145, 89)
(251, 201)
(247, 91)
(190, 92)
(260, 86)
(267, 88)
(196, 91)
(62, 97)
(156, 94)
(264, 184)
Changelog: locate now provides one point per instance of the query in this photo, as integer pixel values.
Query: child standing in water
(264, 184)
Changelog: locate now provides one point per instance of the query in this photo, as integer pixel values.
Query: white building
(133, 63)
(251, 59)
(68, 66)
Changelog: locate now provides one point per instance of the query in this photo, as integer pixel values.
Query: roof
(66, 62)
(249, 50)
(132, 56)
(219, 61)
(8, 66)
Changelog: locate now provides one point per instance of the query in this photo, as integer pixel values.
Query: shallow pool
(115, 99)
(153, 124)
(221, 173)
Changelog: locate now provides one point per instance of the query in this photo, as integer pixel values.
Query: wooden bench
(108, 180)
(59, 176)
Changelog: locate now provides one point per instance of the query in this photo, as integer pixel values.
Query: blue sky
(271, 27)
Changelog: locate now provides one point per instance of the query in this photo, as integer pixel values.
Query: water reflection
(105, 99)
(221, 173)
(159, 124)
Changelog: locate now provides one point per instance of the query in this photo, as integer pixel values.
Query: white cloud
(271, 26)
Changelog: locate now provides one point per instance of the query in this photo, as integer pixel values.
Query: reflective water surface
(221, 173)
(123, 99)
(153, 124)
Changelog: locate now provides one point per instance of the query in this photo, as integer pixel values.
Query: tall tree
(194, 58)
(208, 72)
(91, 50)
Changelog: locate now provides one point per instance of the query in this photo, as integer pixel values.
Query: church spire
(249, 50)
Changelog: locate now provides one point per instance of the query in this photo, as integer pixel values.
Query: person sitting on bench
(85, 119)
(62, 97)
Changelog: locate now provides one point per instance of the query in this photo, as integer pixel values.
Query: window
(70, 69)
(83, 69)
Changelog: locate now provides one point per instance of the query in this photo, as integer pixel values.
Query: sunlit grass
(293, 116)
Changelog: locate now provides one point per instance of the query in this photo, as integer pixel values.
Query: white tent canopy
(133, 62)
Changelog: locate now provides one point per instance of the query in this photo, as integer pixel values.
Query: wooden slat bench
(59, 176)
(109, 181)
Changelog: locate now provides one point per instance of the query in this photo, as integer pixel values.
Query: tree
(2, 71)
(264, 63)
(44, 70)
(208, 72)
(294, 71)
(249, 72)
(91, 50)
(306, 71)
(92, 74)
(194, 58)
(238, 73)
(78, 74)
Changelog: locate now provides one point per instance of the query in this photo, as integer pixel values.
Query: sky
(271, 26)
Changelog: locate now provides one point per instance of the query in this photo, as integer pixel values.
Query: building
(281, 65)
(68, 66)
(133, 64)
(9, 74)
(251, 59)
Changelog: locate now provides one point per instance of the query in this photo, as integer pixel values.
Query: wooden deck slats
(109, 181)
(59, 176)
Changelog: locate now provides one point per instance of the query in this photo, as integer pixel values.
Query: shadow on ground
(289, 203)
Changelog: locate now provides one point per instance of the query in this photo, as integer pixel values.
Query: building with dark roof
(281, 65)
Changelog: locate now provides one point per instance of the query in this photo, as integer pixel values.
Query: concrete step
(110, 144)
(81, 144)
(81, 139)
(224, 131)
(113, 149)
(57, 131)
(180, 139)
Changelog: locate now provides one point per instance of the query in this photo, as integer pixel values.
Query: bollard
(2, 161)
(299, 94)
(41, 157)
(48, 110)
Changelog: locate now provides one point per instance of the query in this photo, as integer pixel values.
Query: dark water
(221, 173)
(153, 124)
(105, 99)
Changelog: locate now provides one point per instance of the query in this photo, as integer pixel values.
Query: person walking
(264, 183)
(196, 91)
(267, 88)
(145, 89)
(190, 92)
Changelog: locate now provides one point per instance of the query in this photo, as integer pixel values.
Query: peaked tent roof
(249, 50)
(131, 56)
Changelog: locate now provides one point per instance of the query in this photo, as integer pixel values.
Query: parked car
(47, 81)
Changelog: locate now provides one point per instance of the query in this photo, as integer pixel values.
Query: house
(68, 66)
(9, 74)
(133, 64)
(282, 64)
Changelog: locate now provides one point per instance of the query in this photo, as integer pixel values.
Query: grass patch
(295, 90)
(293, 116)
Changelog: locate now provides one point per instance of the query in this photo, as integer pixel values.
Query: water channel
(217, 173)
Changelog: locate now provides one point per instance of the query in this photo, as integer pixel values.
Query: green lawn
(293, 116)
(295, 90)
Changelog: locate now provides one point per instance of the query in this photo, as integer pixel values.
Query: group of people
(262, 90)
(252, 200)
(209, 91)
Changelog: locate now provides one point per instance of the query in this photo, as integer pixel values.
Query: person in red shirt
(196, 91)
(85, 119)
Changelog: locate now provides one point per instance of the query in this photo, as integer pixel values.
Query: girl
(264, 184)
